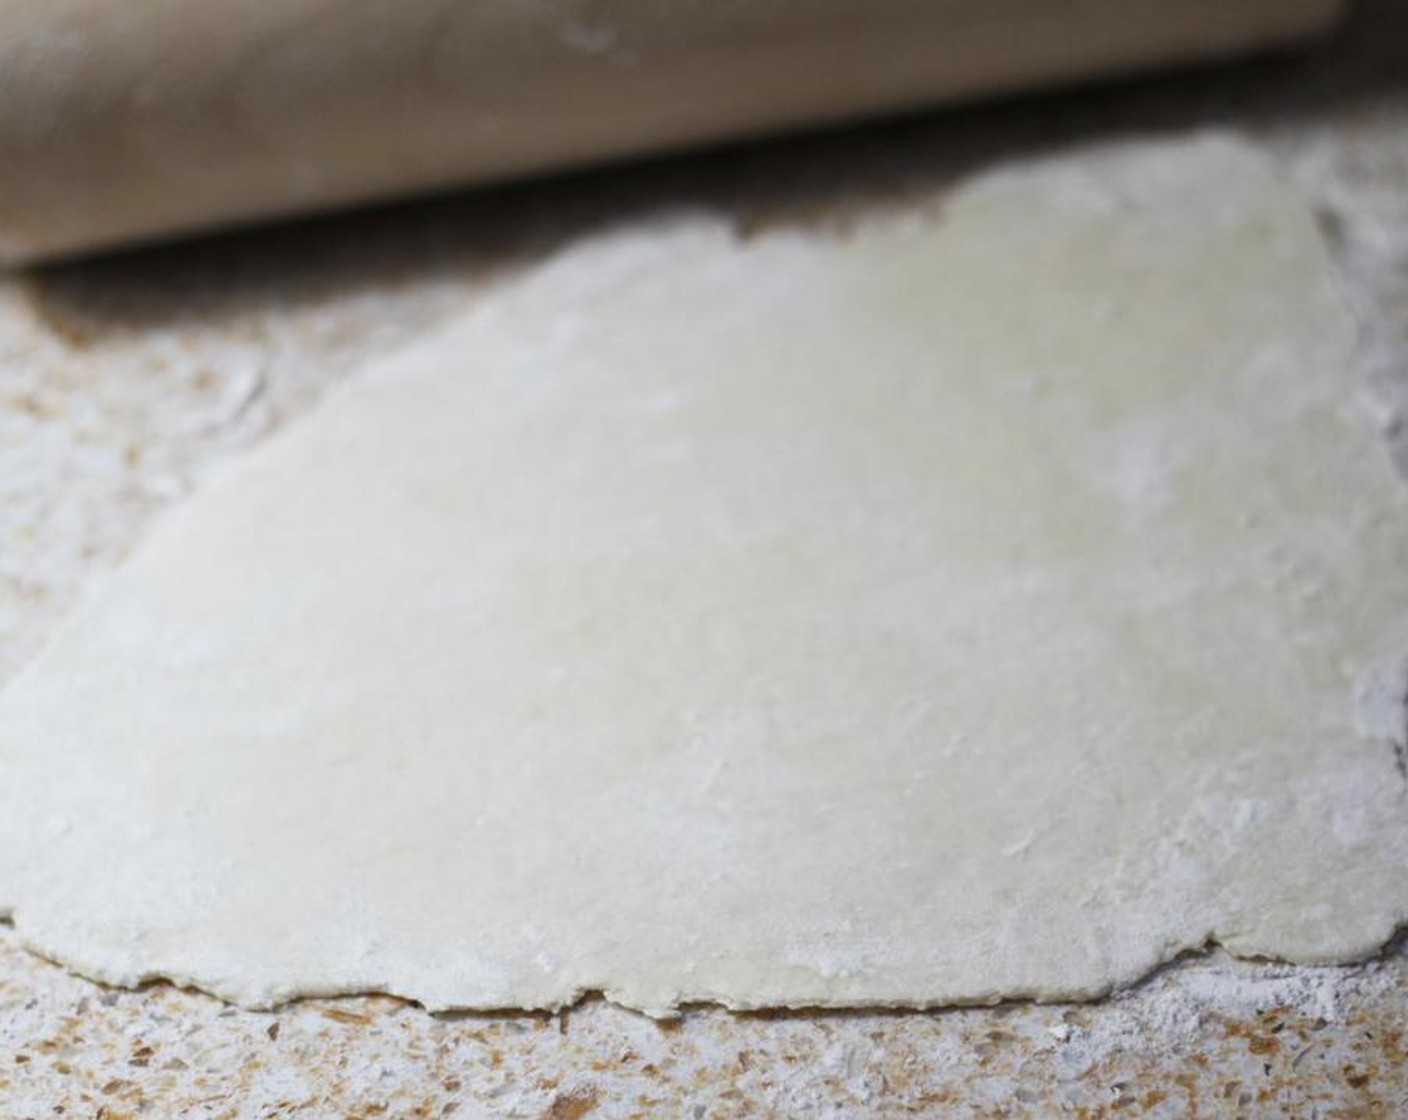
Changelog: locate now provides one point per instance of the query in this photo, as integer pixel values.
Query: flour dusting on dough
(985, 603)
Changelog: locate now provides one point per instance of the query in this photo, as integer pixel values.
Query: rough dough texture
(990, 600)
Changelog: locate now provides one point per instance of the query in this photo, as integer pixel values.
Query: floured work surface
(989, 602)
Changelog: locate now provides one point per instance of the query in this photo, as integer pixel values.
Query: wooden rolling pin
(128, 120)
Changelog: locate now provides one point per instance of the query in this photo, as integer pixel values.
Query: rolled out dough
(992, 600)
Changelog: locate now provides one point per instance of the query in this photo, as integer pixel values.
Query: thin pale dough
(992, 600)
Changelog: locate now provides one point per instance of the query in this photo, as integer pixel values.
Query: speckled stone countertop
(123, 381)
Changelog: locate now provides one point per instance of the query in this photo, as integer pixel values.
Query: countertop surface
(124, 380)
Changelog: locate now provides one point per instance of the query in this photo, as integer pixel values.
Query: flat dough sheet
(991, 600)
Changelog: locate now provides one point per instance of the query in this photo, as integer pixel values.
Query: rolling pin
(123, 122)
